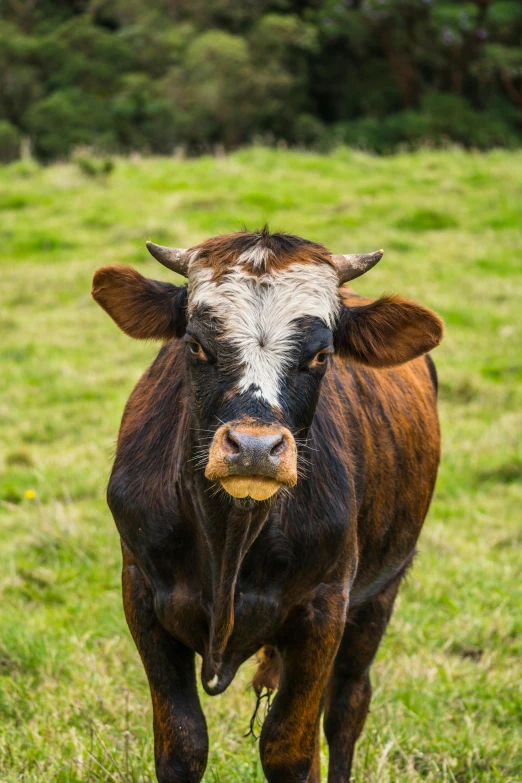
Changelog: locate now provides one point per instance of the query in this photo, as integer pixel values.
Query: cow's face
(260, 320)
(259, 337)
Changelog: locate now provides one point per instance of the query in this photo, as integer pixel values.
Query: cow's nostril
(278, 447)
(231, 442)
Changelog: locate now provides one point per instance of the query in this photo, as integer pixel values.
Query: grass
(74, 703)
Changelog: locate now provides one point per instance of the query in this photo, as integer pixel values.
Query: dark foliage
(124, 75)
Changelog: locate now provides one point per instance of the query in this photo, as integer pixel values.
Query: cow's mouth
(255, 487)
(252, 460)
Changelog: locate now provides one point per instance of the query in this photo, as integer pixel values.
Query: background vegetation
(156, 75)
(74, 704)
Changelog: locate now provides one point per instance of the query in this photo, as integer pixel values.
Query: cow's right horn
(174, 258)
(354, 265)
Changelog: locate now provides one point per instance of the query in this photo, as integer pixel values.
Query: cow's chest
(188, 614)
(191, 590)
(188, 572)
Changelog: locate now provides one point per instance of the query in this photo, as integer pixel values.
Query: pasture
(74, 703)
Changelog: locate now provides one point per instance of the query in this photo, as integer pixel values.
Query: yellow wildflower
(30, 494)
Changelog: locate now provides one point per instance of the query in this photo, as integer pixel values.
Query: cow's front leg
(315, 771)
(349, 691)
(180, 731)
(289, 742)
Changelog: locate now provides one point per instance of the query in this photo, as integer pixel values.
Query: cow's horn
(175, 258)
(354, 265)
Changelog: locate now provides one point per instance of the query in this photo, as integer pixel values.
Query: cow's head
(260, 318)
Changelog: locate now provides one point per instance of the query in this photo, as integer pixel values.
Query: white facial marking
(257, 256)
(213, 682)
(258, 314)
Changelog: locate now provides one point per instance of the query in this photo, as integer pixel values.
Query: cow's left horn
(175, 258)
(353, 265)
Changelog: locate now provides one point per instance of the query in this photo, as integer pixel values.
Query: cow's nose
(258, 455)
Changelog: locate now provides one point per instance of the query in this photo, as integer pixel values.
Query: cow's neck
(229, 533)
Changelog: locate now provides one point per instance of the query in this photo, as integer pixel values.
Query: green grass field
(74, 703)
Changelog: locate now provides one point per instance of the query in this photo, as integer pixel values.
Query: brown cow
(274, 467)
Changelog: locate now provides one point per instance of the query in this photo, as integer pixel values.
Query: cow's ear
(387, 332)
(144, 309)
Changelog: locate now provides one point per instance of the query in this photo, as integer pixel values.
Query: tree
(151, 74)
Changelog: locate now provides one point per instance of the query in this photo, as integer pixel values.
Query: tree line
(157, 75)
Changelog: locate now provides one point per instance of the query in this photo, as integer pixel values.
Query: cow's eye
(195, 348)
(320, 359)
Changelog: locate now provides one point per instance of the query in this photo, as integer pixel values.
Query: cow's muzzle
(252, 459)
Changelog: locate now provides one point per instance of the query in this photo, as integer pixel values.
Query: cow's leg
(349, 690)
(180, 731)
(289, 742)
(315, 772)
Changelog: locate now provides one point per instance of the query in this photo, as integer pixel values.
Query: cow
(273, 470)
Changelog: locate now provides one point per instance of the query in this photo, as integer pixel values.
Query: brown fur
(141, 307)
(221, 253)
(386, 332)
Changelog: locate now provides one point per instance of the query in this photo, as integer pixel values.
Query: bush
(93, 165)
(67, 119)
(308, 130)
(9, 142)
(452, 117)
(143, 119)
(440, 120)
(20, 83)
